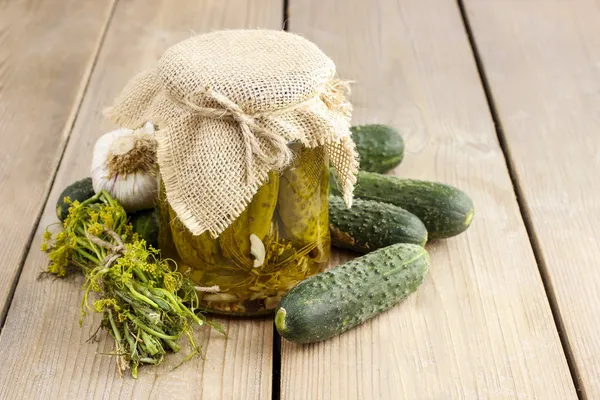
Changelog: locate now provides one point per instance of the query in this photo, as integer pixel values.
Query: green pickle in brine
(288, 219)
(190, 248)
(256, 220)
(165, 238)
(302, 205)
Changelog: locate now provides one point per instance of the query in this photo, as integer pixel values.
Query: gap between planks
(276, 380)
(539, 258)
(286, 14)
(69, 124)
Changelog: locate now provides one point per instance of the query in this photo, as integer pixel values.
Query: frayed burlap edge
(341, 149)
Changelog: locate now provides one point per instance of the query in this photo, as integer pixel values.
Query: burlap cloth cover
(227, 104)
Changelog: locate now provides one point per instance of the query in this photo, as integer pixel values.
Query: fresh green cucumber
(371, 225)
(332, 302)
(80, 191)
(445, 210)
(145, 223)
(380, 147)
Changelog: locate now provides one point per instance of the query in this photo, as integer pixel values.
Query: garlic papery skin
(124, 164)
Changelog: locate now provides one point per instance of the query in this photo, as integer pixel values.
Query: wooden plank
(542, 60)
(43, 351)
(39, 96)
(480, 326)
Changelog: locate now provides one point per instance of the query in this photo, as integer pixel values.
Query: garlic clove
(124, 191)
(132, 191)
(145, 190)
(272, 302)
(100, 180)
(257, 249)
(224, 297)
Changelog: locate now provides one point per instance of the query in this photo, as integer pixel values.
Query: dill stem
(151, 331)
(164, 305)
(130, 341)
(174, 346)
(116, 332)
(91, 278)
(149, 342)
(140, 296)
(93, 199)
(84, 254)
(179, 306)
(85, 244)
(140, 275)
(174, 303)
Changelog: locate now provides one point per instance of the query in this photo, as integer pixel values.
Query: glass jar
(281, 238)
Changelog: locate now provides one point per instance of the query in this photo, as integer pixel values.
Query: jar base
(246, 307)
(240, 314)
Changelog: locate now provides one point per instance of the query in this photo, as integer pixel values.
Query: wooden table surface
(498, 97)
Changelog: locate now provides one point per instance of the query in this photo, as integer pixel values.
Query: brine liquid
(288, 214)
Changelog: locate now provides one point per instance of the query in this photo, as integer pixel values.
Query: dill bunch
(146, 304)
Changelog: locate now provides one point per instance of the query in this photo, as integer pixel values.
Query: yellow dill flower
(93, 216)
(95, 286)
(96, 229)
(73, 215)
(100, 305)
(126, 277)
(107, 219)
(61, 236)
(121, 317)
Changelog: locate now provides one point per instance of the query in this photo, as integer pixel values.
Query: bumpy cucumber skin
(330, 303)
(371, 225)
(380, 147)
(146, 224)
(445, 210)
(80, 191)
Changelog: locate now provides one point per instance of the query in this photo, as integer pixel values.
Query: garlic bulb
(124, 164)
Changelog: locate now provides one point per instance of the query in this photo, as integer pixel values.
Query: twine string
(115, 250)
(251, 132)
(253, 135)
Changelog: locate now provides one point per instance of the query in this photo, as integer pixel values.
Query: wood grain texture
(46, 54)
(542, 60)
(43, 351)
(480, 326)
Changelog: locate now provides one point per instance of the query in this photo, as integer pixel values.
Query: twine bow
(334, 96)
(251, 132)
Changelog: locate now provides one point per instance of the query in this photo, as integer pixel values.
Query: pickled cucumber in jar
(303, 203)
(177, 242)
(165, 238)
(281, 238)
(243, 241)
(192, 249)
